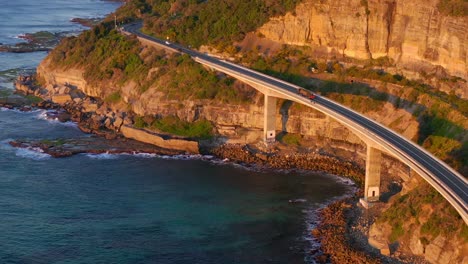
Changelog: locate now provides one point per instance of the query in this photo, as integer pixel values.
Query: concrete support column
(372, 183)
(269, 119)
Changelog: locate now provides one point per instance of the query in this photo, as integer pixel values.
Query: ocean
(137, 208)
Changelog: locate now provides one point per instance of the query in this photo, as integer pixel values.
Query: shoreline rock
(87, 22)
(60, 148)
(93, 116)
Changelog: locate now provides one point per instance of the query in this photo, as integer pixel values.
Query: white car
(167, 42)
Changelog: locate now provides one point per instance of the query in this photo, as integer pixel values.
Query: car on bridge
(306, 93)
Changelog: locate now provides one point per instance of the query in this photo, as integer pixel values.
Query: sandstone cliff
(238, 123)
(414, 34)
(241, 123)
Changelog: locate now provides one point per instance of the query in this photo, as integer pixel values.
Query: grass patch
(200, 129)
(441, 146)
(53, 142)
(443, 219)
(113, 98)
(33, 99)
(397, 232)
(202, 22)
(292, 139)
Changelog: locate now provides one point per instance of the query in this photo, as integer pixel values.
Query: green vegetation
(453, 7)
(110, 57)
(292, 139)
(102, 52)
(198, 22)
(418, 87)
(441, 146)
(107, 56)
(188, 79)
(440, 114)
(33, 99)
(200, 129)
(441, 218)
(397, 232)
(53, 142)
(113, 98)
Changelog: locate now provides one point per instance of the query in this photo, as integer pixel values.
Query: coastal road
(448, 182)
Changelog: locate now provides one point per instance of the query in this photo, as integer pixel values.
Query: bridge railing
(457, 201)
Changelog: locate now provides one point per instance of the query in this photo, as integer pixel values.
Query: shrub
(397, 232)
(202, 22)
(139, 122)
(432, 226)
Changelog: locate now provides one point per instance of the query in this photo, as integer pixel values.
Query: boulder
(415, 244)
(61, 99)
(89, 107)
(118, 122)
(434, 249)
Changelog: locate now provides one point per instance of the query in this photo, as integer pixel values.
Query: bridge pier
(269, 119)
(372, 182)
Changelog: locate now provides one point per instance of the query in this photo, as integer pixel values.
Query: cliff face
(241, 123)
(230, 120)
(414, 34)
(237, 123)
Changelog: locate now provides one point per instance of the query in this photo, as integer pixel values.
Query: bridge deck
(448, 182)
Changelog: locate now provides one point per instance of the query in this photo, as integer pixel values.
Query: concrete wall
(151, 138)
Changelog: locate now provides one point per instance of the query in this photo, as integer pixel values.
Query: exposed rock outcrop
(412, 33)
(234, 122)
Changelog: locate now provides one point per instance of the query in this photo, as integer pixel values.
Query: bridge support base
(269, 119)
(372, 182)
(365, 203)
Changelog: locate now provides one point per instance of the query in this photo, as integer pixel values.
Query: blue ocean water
(137, 208)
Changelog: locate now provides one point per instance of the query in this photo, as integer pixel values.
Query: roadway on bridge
(454, 184)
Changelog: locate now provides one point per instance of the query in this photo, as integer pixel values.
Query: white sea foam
(144, 155)
(147, 156)
(5, 144)
(341, 179)
(32, 153)
(69, 124)
(102, 156)
(43, 116)
(16, 110)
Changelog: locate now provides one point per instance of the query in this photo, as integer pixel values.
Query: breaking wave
(32, 153)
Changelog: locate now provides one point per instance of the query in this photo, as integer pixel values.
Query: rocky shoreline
(93, 116)
(45, 40)
(60, 148)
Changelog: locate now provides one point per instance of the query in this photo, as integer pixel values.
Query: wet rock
(89, 106)
(87, 22)
(63, 90)
(38, 41)
(60, 148)
(118, 122)
(331, 233)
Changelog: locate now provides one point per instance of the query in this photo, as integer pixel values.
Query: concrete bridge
(449, 183)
